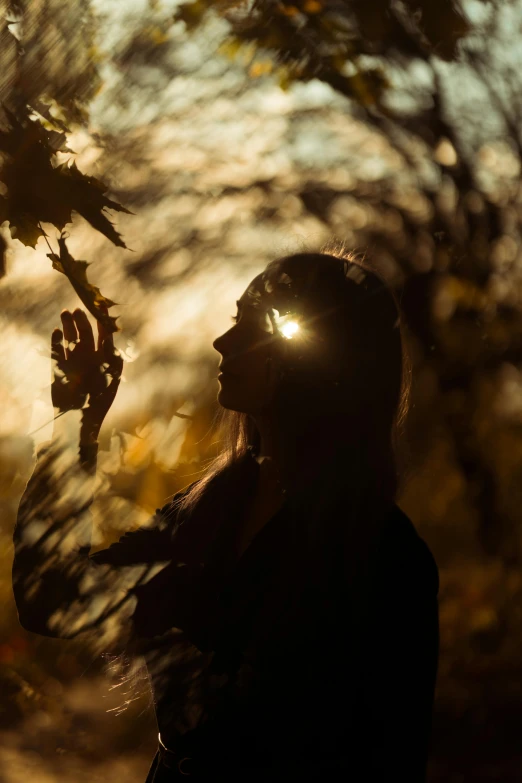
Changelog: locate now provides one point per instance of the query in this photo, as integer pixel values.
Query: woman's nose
(220, 343)
(229, 344)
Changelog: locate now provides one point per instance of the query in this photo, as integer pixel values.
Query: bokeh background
(235, 133)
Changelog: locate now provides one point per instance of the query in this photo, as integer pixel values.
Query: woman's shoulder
(151, 542)
(403, 555)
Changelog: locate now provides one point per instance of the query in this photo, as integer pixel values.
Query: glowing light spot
(289, 329)
(283, 324)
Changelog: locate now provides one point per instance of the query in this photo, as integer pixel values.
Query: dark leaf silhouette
(41, 108)
(87, 197)
(328, 40)
(90, 295)
(38, 191)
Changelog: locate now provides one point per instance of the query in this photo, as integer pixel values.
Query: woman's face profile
(276, 327)
(248, 382)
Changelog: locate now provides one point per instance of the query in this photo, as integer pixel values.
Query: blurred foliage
(49, 58)
(398, 132)
(49, 55)
(332, 40)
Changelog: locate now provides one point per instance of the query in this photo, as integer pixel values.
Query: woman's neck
(295, 456)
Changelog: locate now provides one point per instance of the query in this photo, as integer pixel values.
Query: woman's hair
(367, 411)
(347, 422)
(358, 413)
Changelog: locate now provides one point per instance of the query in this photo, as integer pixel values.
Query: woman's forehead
(271, 288)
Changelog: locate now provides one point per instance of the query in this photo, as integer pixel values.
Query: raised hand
(86, 376)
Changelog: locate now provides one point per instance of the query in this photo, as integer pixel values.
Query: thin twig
(45, 425)
(45, 237)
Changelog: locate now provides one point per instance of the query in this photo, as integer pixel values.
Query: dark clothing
(323, 692)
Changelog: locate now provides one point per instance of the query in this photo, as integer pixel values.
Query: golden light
(289, 329)
(283, 324)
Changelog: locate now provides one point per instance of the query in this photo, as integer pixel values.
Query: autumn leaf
(38, 191)
(86, 196)
(91, 296)
(23, 225)
(58, 141)
(44, 110)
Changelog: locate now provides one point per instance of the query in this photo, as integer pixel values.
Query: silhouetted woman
(290, 627)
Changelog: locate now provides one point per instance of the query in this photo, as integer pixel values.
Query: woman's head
(318, 347)
(283, 328)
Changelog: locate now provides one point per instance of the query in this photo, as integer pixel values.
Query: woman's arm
(61, 590)
(399, 665)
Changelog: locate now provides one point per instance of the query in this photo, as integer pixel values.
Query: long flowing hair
(335, 518)
(362, 418)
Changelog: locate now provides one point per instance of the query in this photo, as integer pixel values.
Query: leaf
(22, 225)
(58, 142)
(44, 110)
(27, 230)
(90, 295)
(86, 195)
(40, 192)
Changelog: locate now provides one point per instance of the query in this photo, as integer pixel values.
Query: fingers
(57, 349)
(84, 329)
(69, 329)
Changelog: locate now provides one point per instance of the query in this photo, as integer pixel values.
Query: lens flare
(289, 329)
(283, 324)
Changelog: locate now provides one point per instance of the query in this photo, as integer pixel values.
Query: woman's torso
(261, 680)
(267, 499)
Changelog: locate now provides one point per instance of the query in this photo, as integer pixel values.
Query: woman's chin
(231, 401)
(226, 400)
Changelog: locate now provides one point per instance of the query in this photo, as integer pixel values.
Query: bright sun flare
(289, 329)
